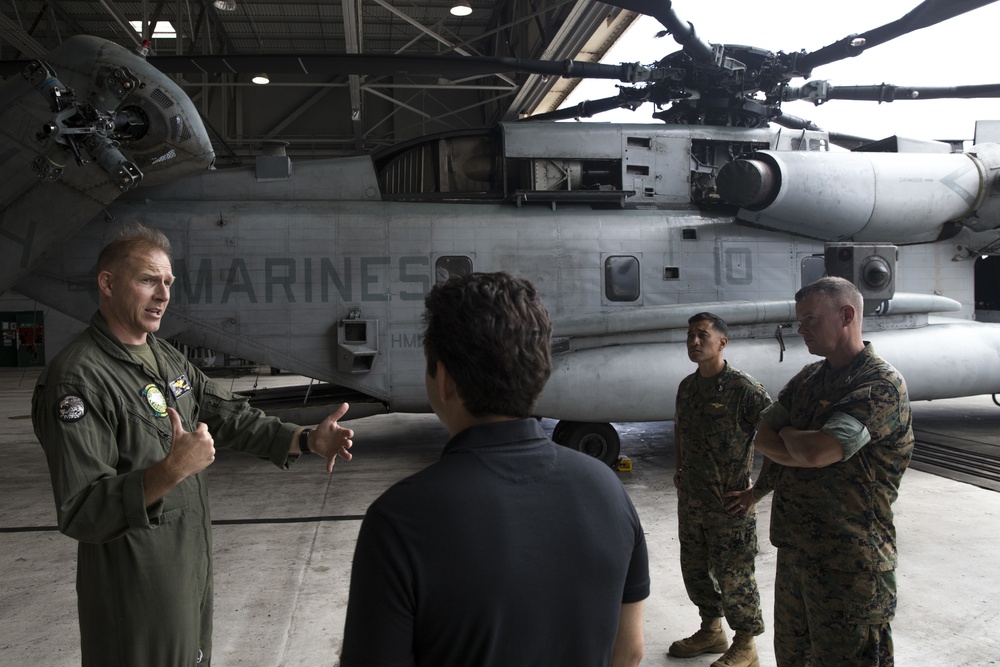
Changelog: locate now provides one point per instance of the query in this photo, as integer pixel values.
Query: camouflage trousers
(827, 618)
(717, 563)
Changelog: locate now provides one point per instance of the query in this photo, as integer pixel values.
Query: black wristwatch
(304, 441)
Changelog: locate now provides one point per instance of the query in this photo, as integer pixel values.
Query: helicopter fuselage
(321, 269)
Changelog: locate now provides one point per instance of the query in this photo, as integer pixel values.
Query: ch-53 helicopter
(627, 230)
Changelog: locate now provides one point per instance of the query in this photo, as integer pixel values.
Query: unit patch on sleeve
(155, 398)
(71, 408)
(180, 386)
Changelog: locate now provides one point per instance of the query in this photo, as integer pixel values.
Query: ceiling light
(461, 8)
(225, 5)
(261, 79)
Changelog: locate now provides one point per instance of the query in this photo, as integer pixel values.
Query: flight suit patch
(155, 398)
(71, 408)
(180, 386)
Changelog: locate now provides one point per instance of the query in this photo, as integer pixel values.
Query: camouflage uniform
(835, 592)
(716, 418)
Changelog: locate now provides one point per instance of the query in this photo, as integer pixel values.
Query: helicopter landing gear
(597, 439)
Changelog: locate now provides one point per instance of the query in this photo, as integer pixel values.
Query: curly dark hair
(492, 333)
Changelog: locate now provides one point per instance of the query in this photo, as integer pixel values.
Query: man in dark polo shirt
(510, 550)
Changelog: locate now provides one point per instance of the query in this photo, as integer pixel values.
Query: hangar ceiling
(331, 113)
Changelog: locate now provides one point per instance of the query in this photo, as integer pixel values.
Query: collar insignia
(155, 398)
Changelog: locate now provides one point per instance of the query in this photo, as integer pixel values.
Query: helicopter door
(987, 288)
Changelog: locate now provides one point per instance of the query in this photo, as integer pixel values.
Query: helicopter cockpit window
(451, 265)
(621, 278)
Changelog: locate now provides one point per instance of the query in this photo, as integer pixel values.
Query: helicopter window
(621, 278)
(689, 234)
(451, 265)
(813, 268)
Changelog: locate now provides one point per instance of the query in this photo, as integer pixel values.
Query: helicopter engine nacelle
(987, 214)
(874, 197)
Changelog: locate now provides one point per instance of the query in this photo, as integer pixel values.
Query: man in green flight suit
(718, 408)
(840, 438)
(129, 426)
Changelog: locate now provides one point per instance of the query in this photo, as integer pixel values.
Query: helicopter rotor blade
(682, 31)
(886, 93)
(629, 98)
(819, 92)
(795, 122)
(927, 13)
(448, 67)
(848, 141)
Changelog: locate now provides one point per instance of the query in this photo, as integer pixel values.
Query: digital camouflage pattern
(717, 564)
(841, 515)
(830, 619)
(716, 418)
(835, 588)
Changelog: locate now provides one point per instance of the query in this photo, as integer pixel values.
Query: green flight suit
(835, 592)
(717, 418)
(144, 575)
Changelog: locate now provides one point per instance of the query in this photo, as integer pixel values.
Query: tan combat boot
(743, 653)
(711, 638)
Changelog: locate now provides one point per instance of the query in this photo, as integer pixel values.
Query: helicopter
(320, 267)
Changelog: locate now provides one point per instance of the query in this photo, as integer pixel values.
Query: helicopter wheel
(597, 439)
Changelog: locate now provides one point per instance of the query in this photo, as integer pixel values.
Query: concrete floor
(281, 586)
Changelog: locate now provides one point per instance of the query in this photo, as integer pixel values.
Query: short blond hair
(133, 238)
(838, 291)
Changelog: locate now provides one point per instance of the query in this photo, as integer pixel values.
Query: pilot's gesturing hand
(330, 440)
(190, 453)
